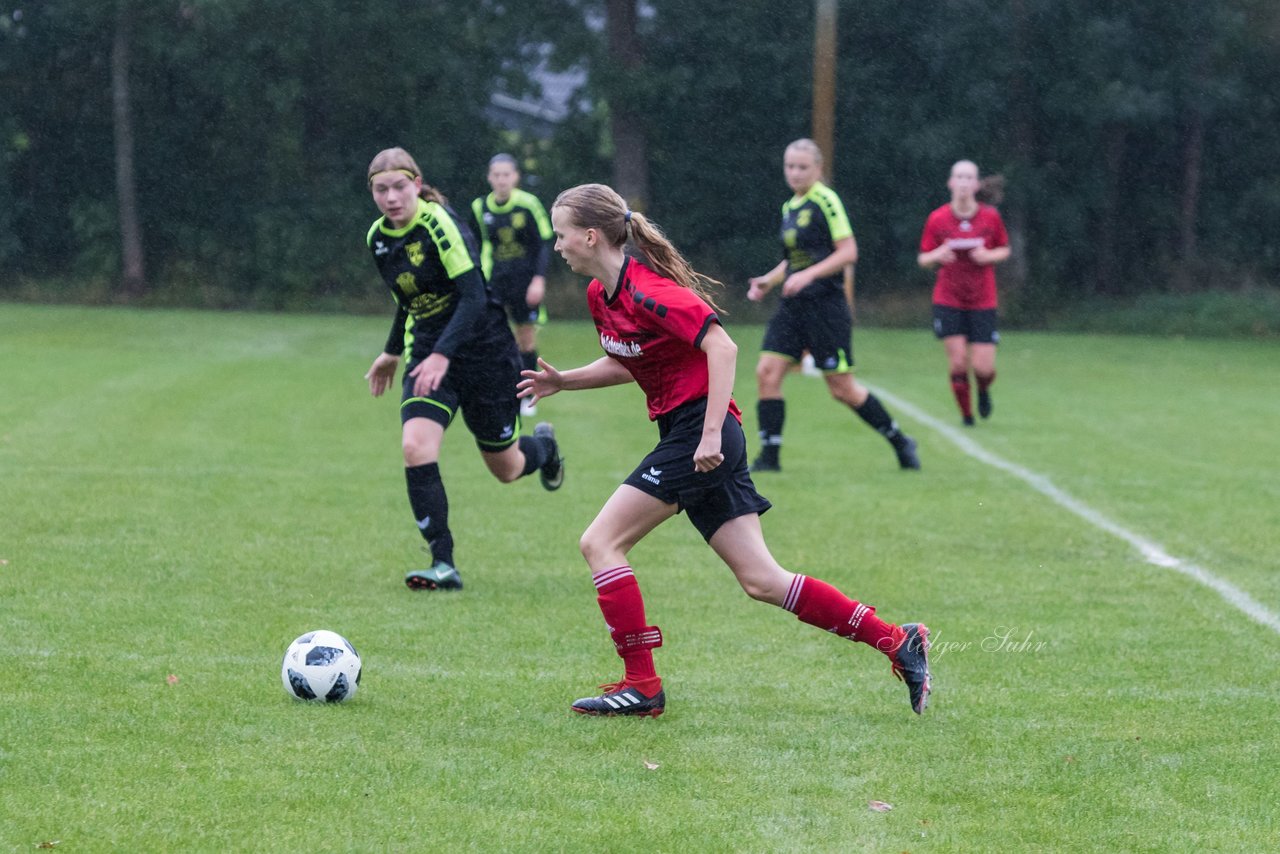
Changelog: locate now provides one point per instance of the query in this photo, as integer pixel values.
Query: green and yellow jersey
(811, 225)
(431, 266)
(515, 238)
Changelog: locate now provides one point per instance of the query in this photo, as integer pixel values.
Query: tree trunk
(1192, 158)
(824, 84)
(1014, 279)
(626, 125)
(1106, 270)
(132, 269)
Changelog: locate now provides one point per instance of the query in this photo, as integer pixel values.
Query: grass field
(181, 494)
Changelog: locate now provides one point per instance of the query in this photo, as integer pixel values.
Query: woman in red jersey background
(659, 328)
(965, 239)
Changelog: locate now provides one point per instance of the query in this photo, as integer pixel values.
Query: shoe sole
(652, 713)
(416, 583)
(549, 484)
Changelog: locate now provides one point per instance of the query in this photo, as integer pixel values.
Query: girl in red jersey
(658, 327)
(964, 239)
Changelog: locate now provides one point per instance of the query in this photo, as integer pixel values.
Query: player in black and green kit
(515, 245)
(813, 314)
(461, 354)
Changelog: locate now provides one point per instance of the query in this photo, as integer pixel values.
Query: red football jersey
(654, 327)
(962, 283)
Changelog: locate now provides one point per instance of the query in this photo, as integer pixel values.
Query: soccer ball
(321, 665)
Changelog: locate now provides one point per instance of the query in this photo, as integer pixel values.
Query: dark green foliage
(1137, 141)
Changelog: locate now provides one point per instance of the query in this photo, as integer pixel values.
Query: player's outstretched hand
(540, 384)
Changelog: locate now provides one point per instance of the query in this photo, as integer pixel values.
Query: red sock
(819, 604)
(984, 382)
(618, 595)
(960, 388)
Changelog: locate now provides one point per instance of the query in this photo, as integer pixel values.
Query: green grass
(183, 493)
(1252, 312)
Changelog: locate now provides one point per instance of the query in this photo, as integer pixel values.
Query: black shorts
(821, 325)
(484, 389)
(513, 291)
(978, 326)
(709, 498)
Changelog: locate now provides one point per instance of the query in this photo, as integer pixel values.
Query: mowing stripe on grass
(1151, 552)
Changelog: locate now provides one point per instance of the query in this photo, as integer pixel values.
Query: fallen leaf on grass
(879, 806)
(652, 766)
(4, 561)
(171, 679)
(50, 844)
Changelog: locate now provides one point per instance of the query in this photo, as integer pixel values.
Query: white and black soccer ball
(321, 665)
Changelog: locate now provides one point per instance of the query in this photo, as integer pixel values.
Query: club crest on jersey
(804, 218)
(611, 345)
(517, 220)
(415, 253)
(407, 283)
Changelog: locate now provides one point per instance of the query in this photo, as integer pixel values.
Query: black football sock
(771, 414)
(431, 509)
(536, 450)
(529, 360)
(873, 412)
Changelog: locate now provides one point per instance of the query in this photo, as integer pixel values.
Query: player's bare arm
(603, 372)
(984, 256)
(846, 253)
(761, 285)
(943, 255)
(722, 359)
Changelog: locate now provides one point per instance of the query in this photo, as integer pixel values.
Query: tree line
(212, 152)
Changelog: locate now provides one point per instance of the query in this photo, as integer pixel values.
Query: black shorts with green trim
(709, 498)
(483, 390)
(822, 325)
(978, 326)
(513, 291)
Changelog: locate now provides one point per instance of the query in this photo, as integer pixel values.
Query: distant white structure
(539, 115)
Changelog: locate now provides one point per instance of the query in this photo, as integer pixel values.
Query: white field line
(1151, 552)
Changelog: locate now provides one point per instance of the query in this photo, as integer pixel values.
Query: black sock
(771, 415)
(873, 412)
(529, 360)
(431, 509)
(536, 450)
